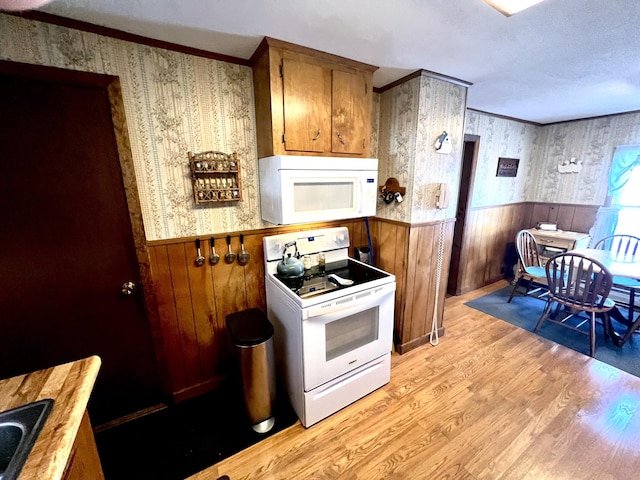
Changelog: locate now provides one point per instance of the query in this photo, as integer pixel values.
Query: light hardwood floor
(491, 401)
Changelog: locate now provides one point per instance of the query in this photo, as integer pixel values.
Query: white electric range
(333, 326)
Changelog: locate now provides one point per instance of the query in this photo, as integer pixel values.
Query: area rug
(183, 439)
(524, 312)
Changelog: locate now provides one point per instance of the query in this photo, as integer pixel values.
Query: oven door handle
(353, 302)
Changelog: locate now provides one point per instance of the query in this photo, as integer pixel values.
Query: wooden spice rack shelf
(216, 177)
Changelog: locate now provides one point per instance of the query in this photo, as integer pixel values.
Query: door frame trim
(475, 139)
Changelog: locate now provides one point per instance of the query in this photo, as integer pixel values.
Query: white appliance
(333, 328)
(301, 189)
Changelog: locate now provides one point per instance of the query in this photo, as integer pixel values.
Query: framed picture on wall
(507, 167)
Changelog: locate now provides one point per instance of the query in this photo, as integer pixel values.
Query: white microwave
(302, 189)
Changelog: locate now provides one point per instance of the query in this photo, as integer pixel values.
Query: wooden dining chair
(623, 246)
(531, 273)
(582, 284)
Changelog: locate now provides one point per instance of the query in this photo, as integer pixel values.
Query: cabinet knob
(340, 137)
(316, 137)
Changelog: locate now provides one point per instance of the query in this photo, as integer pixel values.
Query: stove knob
(339, 238)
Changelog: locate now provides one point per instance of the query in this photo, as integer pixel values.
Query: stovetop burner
(341, 274)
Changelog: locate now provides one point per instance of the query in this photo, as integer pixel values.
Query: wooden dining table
(622, 266)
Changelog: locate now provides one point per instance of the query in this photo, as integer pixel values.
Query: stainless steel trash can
(252, 336)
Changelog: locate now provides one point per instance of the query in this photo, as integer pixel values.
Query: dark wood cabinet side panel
(265, 129)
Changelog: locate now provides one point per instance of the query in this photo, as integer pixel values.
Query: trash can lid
(249, 327)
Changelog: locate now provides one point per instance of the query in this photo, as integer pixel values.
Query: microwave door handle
(360, 197)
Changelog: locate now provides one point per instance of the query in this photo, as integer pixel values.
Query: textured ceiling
(559, 60)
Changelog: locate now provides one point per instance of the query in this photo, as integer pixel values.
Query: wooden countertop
(70, 386)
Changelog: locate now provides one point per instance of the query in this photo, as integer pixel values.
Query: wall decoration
(570, 166)
(507, 167)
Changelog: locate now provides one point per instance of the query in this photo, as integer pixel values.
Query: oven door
(344, 334)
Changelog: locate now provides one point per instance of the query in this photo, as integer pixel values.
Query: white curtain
(625, 159)
(605, 224)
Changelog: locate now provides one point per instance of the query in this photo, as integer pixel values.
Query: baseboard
(402, 348)
(128, 418)
(198, 389)
(462, 291)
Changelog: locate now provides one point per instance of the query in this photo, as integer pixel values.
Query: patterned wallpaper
(375, 124)
(500, 137)
(174, 103)
(442, 108)
(412, 115)
(540, 150)
(590, 141)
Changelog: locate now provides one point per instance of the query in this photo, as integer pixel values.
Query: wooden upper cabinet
(351, 112)
(310, 102)
(307, 106)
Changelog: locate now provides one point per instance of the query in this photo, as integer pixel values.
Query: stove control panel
(307, 242)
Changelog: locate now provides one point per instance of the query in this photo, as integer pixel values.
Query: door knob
(128, 288)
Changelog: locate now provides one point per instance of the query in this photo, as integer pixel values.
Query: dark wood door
(66, 244)
(469, 155)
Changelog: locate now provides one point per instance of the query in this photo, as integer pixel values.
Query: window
(628, 200)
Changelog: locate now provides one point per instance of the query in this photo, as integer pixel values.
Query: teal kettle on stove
(290, 269)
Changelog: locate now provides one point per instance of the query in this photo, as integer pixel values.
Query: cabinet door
(307, 106)
(350, 113)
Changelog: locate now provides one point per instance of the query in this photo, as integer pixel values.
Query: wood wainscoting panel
(391, 246)
(488, 242)
(179, 264)
(194, 301)
(574, 218)
(169, 325)
(411, 253)
(490, 232)
(421, 285)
